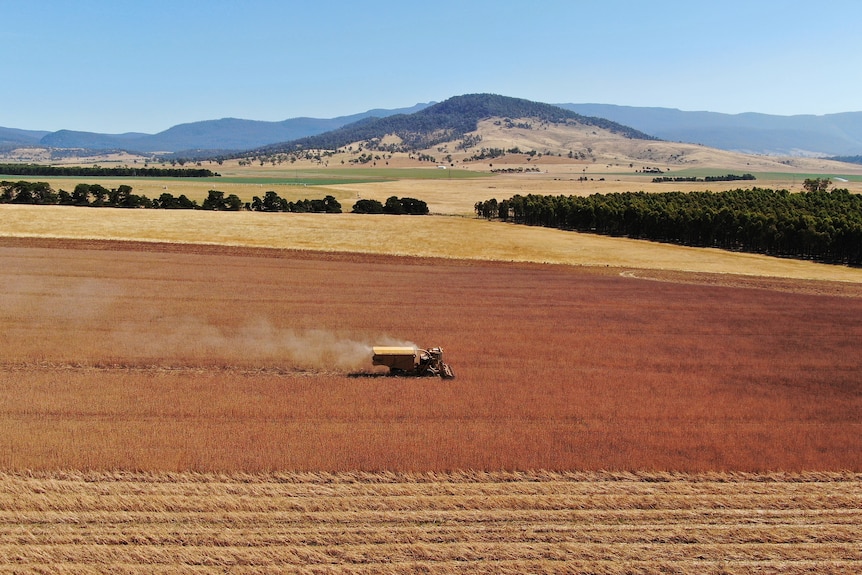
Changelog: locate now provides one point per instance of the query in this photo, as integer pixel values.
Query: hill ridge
(801, 135)
(447, 121)
(748, 132)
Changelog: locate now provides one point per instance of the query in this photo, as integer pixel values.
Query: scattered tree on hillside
(816, 184)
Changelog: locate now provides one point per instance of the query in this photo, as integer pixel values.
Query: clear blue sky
(122, 65)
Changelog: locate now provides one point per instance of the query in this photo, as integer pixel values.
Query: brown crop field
(200, 409)
(155, 357)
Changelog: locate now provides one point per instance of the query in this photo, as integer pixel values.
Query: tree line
(97, 171)
(726, 178)
(818, 224)
(272, 202)
(96, 195)
(394, 205)
(41, 193)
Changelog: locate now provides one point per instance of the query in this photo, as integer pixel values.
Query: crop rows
(198, 360)
(430, 523)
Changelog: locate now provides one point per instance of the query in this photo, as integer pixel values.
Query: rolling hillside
(226, 134)
(13, 137)
(500, 133)
(802, 135)
(425, 125)
(449, 121)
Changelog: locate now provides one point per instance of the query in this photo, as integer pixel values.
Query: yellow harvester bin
(403, 358)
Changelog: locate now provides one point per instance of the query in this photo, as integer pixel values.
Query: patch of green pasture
(703, 172)
(802, 177)
(300, 177)
(286, 181)
(335, 176)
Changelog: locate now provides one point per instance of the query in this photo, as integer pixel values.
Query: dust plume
(96, 320)
(262, 343)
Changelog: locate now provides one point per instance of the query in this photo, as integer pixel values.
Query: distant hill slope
(225, 134)
(448, 121)
(13, 137)
(803, 135)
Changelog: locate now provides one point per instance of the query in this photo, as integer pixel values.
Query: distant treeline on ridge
(816, 224)
(96, 171)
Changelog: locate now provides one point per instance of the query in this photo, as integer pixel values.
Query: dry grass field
(472, 522)
(447, 237)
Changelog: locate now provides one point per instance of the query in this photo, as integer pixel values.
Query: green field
(768, 176)
(285, 175)
(333, 176)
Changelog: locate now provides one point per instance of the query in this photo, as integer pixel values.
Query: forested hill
(446, 121)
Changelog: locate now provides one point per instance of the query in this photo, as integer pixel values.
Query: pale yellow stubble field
(425, 236)
(452, 231)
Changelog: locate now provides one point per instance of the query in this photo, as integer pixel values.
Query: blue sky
(119, 66)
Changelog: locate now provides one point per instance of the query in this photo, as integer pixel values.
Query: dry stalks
(73, 522)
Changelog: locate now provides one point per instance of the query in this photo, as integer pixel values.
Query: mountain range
(224, 135)
(801, 135)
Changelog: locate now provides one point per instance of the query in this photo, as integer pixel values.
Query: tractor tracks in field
(729, 280)
(167, 369)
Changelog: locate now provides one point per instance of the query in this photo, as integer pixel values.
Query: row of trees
(726, 178)
(96, 195)
(96, 171)
(272, 202)
(83, 195)
(821, 225)
(393, 205)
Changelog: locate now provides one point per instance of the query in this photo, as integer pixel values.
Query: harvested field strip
(434, 523)
(104, 367)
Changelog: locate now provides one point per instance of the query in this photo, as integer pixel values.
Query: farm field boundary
(417, 236)
(811, 286)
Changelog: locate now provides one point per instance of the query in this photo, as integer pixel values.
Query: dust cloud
(87, 320)
(262, 343)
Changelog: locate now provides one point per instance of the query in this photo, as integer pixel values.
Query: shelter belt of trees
(818, 224)
(95, 171)
(96, 195)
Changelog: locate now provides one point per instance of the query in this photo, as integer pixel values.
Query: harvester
(412, 361)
